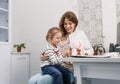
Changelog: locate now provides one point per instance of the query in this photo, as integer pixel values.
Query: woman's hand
(43, 57)
(67, 64)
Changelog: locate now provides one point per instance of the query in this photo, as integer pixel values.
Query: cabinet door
(19, 69)
(4, 64)
(4, 28)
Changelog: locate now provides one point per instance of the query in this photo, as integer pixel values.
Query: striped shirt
(54, 56)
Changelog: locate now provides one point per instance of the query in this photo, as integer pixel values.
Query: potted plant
(19, 46)
(98, 48)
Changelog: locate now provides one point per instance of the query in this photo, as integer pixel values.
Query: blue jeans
(61, 75)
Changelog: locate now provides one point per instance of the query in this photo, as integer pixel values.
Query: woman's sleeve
(80, 36)
(87, 45)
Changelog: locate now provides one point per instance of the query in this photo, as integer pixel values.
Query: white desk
(104, 68)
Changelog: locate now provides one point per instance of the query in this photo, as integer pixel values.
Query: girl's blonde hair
(51, 32)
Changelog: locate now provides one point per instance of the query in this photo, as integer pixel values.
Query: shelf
(2, 9)
(3, 27)
(4, 43)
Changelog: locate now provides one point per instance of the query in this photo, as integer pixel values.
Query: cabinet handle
(21, 58)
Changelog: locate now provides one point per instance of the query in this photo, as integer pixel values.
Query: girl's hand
(66, 53)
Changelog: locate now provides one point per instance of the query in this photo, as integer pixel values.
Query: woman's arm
(43, 57)
(80, 36)
(86, 43)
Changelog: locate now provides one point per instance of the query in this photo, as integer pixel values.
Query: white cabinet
(4, 64)
(4, 43)
(4, 21)
(20, 68)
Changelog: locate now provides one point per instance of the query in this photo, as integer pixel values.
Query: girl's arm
(66, 53)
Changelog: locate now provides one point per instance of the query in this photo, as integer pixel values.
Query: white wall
(109, 22)
(32, 19)
(19, 20)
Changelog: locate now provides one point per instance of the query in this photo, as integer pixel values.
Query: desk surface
(73, 59)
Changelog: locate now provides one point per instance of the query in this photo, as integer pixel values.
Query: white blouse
(79, 38)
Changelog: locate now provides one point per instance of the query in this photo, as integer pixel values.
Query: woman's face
(69, 26)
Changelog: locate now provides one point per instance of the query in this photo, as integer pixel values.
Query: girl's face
(69, 26)
(56, 39)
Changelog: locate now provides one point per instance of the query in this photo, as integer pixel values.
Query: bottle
(111, 47)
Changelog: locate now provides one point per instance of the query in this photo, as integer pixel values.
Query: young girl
(53, 65)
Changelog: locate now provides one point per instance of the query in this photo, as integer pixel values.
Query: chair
(40, 79)
(45, 79)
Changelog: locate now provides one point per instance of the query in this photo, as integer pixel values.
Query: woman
(68, 24)
(73, 37)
